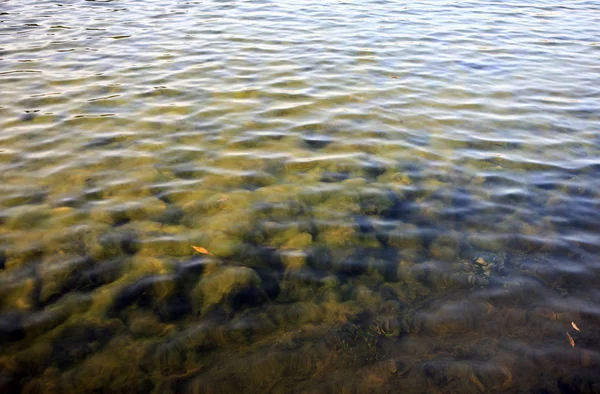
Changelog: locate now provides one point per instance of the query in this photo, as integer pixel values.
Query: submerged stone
(161, 294)
(228, 286)
(446, 247)
(27, 217)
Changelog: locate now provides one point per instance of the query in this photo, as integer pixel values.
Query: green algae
(336, 240)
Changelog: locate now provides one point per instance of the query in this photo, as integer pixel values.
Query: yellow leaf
(200, 250)
(571, 340)
(575, 326)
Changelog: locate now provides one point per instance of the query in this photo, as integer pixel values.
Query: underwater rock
(162, 294)
(17, 292)
(333, 177)
(48, 383)
(365, 296)
(229, 286)
(225, 246)
(141, 265)
(490, 242)
(446, 247)
(38, 323)
(405, 236)
(484, 264)
(57, 277)
(249, 327)
(297, 313)
(103, 242)
(73, 342)
(529, 238)
(114, 370)
(451, 318)
(120, 211)
(62, 242)
(374, 202)
(144, 323)
(293, 259)
(27, 217)
(174, 241)
(293, 254)
(300, 241)
(451, 376)
(493, 376)
(391, 325)
(338, 235)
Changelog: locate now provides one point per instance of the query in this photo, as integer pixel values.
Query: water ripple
(340, 196)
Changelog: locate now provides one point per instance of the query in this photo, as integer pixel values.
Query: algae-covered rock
(224, 285)
(27, 217)
(277, 234)
(452, 318)
(224, 234)
(162, 294)
(144, 323)
(73, 342)
(293, 259)
(119, 243)
(298, 313)
(251, 180)
(490, 242)
(197, 203)
(65, 242)
(446, 246)
(300, 241)
(342, 205)
(17, 292)
(367, 297)
(23, 249)
(66, 216)
(407, 238)
(249, 326)
(38, 323)
(57, 276)
(48, 383)
(165, 244)
(141, 265)
(116, 370)
(223, 245)
(121, 210)
(338, 235)
(90, 235)
(374, 201)
(79, 274)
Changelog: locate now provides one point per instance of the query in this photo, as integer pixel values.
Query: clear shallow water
(394, 196)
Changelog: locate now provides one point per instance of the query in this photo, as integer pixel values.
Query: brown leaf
(571, 340)
(396, 76)
(575, 326)
(201, 250)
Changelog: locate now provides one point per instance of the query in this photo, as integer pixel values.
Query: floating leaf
(575, 326)
(200, 250)
(571, 340)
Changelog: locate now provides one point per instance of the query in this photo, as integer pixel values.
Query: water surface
(342, 197)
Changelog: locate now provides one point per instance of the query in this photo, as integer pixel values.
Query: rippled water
(255, 196)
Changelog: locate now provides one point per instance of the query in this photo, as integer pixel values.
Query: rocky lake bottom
(257, 197)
